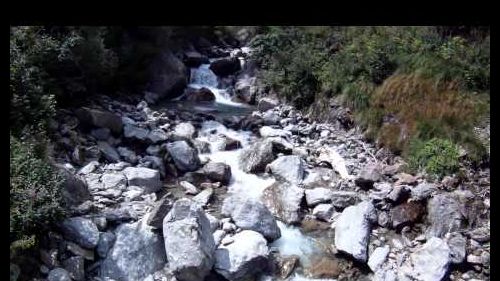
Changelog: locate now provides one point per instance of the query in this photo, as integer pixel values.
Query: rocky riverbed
(206, 188)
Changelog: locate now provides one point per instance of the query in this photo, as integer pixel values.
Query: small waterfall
(204, 77)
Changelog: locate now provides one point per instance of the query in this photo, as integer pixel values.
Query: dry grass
(423, 108)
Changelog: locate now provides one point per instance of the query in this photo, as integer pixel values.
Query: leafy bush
(35, 190)
(437, 157)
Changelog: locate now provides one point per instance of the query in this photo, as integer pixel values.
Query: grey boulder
(289, 168)
(146, 178)
(184, 156)
(284, 201)
(81, 231)
(218, 172)
(189, 243)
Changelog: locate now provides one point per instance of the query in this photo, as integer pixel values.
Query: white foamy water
(294, 242)
(204, 77)
(241, 183)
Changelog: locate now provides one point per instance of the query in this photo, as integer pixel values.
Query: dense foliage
(404, 83)
(436, 157)
(35, 190)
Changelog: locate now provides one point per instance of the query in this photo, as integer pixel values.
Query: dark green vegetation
(405, 84)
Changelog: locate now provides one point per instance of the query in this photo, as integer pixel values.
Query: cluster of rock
(146, 206)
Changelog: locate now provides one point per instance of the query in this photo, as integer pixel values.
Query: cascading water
(204, 77)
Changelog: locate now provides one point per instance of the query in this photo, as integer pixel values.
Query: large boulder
(242, 259)
(245, 89)
(168, 76)
(430, 262)
(108, 151)
(406, 214)
(352, 230)
(100, 118)
(267, 131)
(75, 191)
(136, 253)
(266, 104)
(135, 133)
(184, 130)
(194, 59)
(284, 201)
(197, 95)
(444, 214)
(318, 195)
(254, 158)
(185, 157)
(368, 175)
(248, 213)
(290, 168)
(225, 66)
(59, 274)
(146, 178)
(189, 243)
(218, 172)
(81, 231)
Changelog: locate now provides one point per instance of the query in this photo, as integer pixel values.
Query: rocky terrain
(167, 193)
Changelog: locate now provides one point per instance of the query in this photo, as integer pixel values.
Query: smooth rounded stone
(218, 235)
(323, 212)
(203, 197)
(398, 194)
(378, 257)
(81, 231)
(59, 274)
(318, 195)
(114, 180)
(189, 242)
(457, 243)
(352, 229)
(429, 262)
(135, 133)
(100, 118)
(127, 154)
(266, 132)
(146, 178)
(101, 134)
(106, 241)
(289, 168)
(184, 156)
(157, 136)
(244, 258)
(202, 94)
(266, 104)
(136, 253)
(368, 175)
(271, 118)
(225, 66)
(230, 143)
(89, 168)
(343, 199)
(189, 188)
(74, 191)
(250, 214)
(184, 130)
(444, 214)
(159, 211)
(220, 172)
(75, 267)
(423, 191)
(283, 199)
(406, 214)
(254, 158)
(108, 151)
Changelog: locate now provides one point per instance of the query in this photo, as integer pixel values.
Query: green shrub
(437, 157)
(35, 190)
